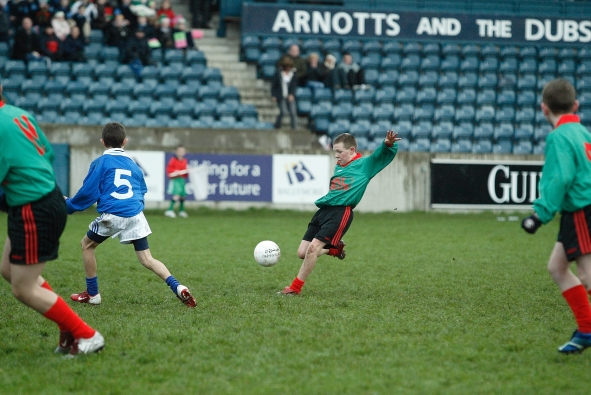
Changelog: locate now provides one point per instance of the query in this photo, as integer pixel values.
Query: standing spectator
(90, 11)
(350, 74)
(136, 49)
(201, 10)
(61, 27)
(36, 219)
(181, 27)
(73, 46)
(82, 21)
(42, 17)
(118, 31)
(104, 15)
(50, 44)
(26, 42)
(142, 24)
(164, 33)
(4, 25)
(283, 87)
(125, 9)
(298, 62)
(166, 10)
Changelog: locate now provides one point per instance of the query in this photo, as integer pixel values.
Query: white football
(267, 253)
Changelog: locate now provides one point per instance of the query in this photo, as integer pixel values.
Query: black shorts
(329, 224)
(35, 228)
(575, 233)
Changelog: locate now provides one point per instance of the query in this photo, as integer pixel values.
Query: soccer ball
(267, 253)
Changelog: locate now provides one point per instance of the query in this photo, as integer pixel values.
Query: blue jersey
(115, 183)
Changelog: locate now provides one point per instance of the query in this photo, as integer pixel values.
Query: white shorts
(127, 229)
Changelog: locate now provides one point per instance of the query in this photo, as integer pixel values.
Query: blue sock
(172, 283)
(92, 286)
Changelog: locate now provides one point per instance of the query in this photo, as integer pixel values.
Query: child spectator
(104, 15)
(136, 49)
(50, 44)
(566, 188)
(166, 10)
(118, 31)
(335, 214)
(177, 172)
(73, 46)
(125, 9)
(81, 20)
(181, 27)
(61, 27)
(164, 34)
(283, 87)
(42, 17)
(142, 24)
(26, 42)
(117, 184)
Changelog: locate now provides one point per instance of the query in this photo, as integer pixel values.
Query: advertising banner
(284, 19)
(231, 177)
(152, 164)
(481, 184)
(300, 178)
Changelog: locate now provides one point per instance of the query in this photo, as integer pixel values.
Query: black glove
(531, 223)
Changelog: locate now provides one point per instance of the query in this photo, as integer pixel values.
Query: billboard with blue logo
(300, 178)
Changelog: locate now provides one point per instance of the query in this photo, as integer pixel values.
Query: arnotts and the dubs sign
(481, 184)
(265, 19)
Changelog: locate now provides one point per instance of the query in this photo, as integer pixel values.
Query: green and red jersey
(350, 180)
(26, 157)
(566, 176)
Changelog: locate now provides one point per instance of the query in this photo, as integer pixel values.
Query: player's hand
(391, 138)
(531, 223)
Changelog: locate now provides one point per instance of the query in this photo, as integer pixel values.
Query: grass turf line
(424, 303)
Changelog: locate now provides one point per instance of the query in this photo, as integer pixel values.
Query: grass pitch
(424, 303)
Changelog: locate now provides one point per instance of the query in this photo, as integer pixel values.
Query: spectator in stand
(73, 46)
(298, 62)
(181, 27)
(26, 42)
(20, 9)
(137, 49)
(63, 6)
(61, 27)
(316, 72)
(118, 31)
(90, 11)
(104, 15)
(201, 10)
(4, 25)
(164, 33)
(42, 17)
(166, 10)
(125, 9)
(143, 25)
(350, 74)
(283, 87)
(329, 66)
(50, 44)
(81, 20)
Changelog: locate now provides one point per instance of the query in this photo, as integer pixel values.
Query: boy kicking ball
(566, 187)
(117, 184)
(335, 214)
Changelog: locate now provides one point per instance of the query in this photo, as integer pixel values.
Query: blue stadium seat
(546, 52)
(504, 131)
(566, 66)
(173, 56)
(252, 54)
(429, 79)
(411, 48)
(96, 36)
(584, 68)
(482, 147)
(430, 62)
(385, 96)
(369, 62)
(489, 65)
(212, 74)
(424, 112)
(391, 47)
(528, 65)
(408, 78)
(426, 96)
(486, 97)
(440, 145)
(451, 62)
(509, 65)
(463, 130)
(160, 108)
(446, 96)
(388, 79)
(343, 96)
(120, 89)
(47, 104)
(420, 145)
(149, 73)
(507, 81)
(60, 69)
(93, 51)
(506, 97)
(249, 41)
(407, 94)
(443, 130)
(322, 95)
(82, 70)
(138, 107)
(411, 62)
(466, 113)
(360, 130)
(509, 51)
(331, 45)
(37, 68)
(77, 87)
(524, 132)
(109, 53)
(364, 96)
(26, 104)
(547, 66)
(468, 80)
(488, 81)
(451, 49)
(525, 115)
(382, 114)
(528, 52)
(391, 62)
(362, 112)
(469, 64)
(15, 67)
(448, 80)
(165, 90)
(341, 113)
(467, 96)
(503, 147)
(485, 114)
(70, 105)
(431, 49)
(526, 98)
(583, 54)
(541, 132)
(143, 90)
(404, 129)
(539, 148)
(124, 71)
(371, 46)
(462, 146)
(336, 129)
(47, 116)
(490, 50)
(310, 45)
(181, 109)
(229, 93)
(445, 113)
(271, 42)
(168, 73)
(30, 86)
(505, 114)
(523, 148)
(404, 111)
(421, 130)
(484, 131)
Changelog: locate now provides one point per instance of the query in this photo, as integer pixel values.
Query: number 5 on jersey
(122, 182)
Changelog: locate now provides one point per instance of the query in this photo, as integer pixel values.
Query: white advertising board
(300, 178)
(153, 166)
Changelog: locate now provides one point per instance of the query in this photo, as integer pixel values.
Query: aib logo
(298, 173)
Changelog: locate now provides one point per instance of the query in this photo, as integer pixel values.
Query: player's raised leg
(91, 295)
(575, 295)
(314, 249)
(149, 262)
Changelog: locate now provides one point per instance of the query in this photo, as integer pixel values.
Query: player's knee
(301, 253)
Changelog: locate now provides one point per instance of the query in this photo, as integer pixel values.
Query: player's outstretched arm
(391, 138)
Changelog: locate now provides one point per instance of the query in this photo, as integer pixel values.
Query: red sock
(577, 299)
(66, 318)
(48, 287)
(297, 285)
(332, 252)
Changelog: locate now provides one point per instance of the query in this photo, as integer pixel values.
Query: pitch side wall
(402, 186)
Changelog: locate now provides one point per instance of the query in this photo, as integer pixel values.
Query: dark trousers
(286, 106)
(201, 10)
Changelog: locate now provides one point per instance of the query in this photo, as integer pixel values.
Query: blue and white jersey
(115, 183)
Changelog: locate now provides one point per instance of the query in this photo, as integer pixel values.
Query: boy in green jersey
(36, 219)
(565, 187)
(335, 214)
